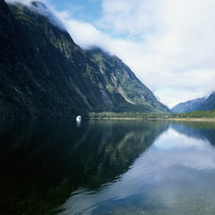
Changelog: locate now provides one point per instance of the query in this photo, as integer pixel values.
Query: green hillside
(44, 74)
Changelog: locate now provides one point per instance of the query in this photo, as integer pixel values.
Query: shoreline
(193, 119)
(117, 118)
(154, 119)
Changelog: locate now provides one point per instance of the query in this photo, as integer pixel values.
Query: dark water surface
(107, 167)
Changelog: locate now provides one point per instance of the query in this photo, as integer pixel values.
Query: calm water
(109, 167)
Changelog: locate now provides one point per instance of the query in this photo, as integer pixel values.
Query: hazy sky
(169, 45)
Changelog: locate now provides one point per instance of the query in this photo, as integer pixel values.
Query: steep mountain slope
(188, 106)
(44, 74)
(205, 104)
(122, 84)
(209, 103)
(47, 73)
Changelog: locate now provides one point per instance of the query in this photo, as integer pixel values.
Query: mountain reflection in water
(111, 167)
(42, 162)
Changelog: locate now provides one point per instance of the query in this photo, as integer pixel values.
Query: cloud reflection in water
(174, 168)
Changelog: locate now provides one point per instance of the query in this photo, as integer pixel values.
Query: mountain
(209, 103)
(204, 104)
(123, 86)
(188, 106)
(44, 74)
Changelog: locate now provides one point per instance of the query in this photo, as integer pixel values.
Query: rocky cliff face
(44, 74)
(125, 90)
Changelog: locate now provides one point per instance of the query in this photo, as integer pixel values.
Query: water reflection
(174, 148)
(42, 162)
(175, 175)
(107, 167)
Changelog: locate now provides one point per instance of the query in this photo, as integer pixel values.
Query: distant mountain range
(204, 104)
(44, 74)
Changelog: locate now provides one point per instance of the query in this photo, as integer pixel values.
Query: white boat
(78, 118)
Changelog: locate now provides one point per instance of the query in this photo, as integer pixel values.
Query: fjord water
(107, 167)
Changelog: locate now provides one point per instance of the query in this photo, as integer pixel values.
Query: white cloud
(87, 35)
(41, 8)
(134, 18)
(177, 46)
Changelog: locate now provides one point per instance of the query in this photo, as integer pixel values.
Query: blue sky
(168, 44)
(85, 10)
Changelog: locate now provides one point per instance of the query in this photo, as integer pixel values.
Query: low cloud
(41, 8)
